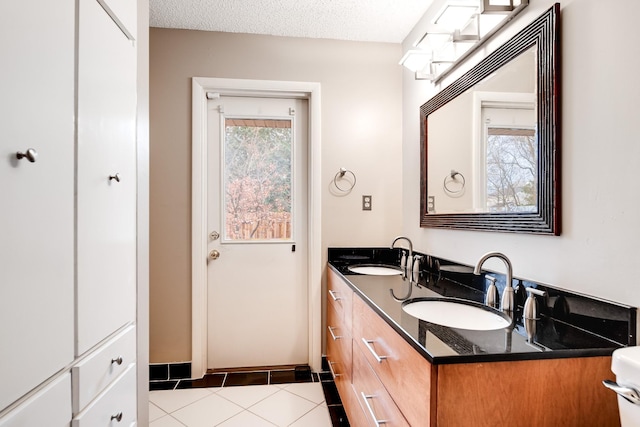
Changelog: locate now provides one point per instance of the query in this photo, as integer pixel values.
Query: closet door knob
(118, 360)
(117, 417)
(116, 177)
(31, 155)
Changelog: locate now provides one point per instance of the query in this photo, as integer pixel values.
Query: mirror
(490, 140)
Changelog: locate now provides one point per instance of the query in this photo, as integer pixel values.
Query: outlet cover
(366, 203)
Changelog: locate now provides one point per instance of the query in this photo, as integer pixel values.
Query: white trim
(264, 88)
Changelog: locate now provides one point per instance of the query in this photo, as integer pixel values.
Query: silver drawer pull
(373, 414)
(630, 394)
(333, 373)
(118, 360)
(371, 349)
(334, 336)
(117, 417)
(116, 177)
(333, 295)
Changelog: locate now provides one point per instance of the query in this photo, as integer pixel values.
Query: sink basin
(375, 270)
(455, 313)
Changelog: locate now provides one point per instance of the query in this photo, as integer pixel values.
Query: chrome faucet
(410, 258)
(507, 302)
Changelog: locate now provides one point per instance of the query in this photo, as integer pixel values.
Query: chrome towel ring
(347, 176)
(452, 179)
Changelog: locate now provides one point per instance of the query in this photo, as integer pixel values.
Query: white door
(257, 224)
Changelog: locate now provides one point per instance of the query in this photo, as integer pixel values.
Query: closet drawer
(50, 406)
(115, 406)
(101, 367)
(340, 296)
(405, 373)
(372, 395)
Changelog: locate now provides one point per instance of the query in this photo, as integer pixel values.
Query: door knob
(214, 235)
(30, 155)
(214, 254)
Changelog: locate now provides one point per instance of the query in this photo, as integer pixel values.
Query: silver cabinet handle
(117, 417)
(333, 373)
(334, 336)
(116, 177)
(333, 295)
(371, 349)
(31, 155)
(373, 414)
(630, 394)
(118, 360)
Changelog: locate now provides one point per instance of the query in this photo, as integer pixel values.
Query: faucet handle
(491, 296)
(530, 309)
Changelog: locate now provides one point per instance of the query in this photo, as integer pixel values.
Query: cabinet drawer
(338, 349)
(100, 368)
(340, 296)
(115, 406)
(405, 373)
(49, 407)
(376, 402)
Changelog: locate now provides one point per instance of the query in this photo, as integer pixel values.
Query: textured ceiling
(358, 20)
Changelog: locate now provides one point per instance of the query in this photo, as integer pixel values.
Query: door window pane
(257, 183)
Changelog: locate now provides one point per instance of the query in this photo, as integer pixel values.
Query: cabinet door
(106, 217)
(36, 199)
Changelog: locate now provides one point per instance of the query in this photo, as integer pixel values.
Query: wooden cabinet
(408, 377)
(373, 395)
(37, 198)
(391, 381)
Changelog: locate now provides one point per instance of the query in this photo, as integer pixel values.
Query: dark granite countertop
(574, 332)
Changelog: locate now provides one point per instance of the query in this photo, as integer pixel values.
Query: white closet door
(36, 199)
(106, 217)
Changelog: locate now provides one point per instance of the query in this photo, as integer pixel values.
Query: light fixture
(416, 59)
(498, 6)
(456, 30)
(454, 16)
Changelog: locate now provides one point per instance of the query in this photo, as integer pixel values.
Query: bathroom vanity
(394, 369)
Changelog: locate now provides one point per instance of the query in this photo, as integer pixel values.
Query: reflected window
(512, 158)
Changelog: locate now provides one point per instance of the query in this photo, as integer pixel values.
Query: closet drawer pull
(371, 349)
(333, 295)
(334, 336)
(373, 414)
(117, 417)
(118, 360)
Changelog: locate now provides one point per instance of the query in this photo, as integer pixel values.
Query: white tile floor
(298, 405)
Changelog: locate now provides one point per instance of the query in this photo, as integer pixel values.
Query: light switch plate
(366, 203)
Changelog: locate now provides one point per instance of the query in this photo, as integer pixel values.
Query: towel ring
(341, 175)
(451, 178)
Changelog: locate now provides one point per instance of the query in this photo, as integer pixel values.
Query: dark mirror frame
(544, 34)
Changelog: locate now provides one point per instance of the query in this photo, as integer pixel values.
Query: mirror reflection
(482, 146)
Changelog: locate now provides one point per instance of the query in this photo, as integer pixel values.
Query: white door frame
(199, 231)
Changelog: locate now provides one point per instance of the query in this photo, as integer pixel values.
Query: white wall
(597, 252)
